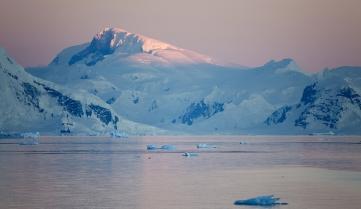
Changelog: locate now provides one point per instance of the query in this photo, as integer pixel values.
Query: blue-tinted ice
(190, 154)
(163, 147)
(266, 200)
(151, 147)
(200, 146)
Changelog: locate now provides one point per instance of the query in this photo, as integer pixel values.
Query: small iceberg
(163, 147)
(190, 154)
(205, 146)
(151, 147)
(30, 138)
(266, 200)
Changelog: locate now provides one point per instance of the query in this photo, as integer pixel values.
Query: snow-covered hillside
(155, 83)
(32, 104)
(330, 105)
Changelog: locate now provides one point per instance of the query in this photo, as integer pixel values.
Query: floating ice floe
(205, 146)
(151, 147)
(267, 200)
(190, 154)
(163, 147)
(30, 138)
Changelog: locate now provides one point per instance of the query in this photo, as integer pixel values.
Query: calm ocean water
(318, 172)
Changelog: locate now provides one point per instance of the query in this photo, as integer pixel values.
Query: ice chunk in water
(199, 146)
(163, 147)
(190, 154)
(266, 200)
(168, 147)
(151, 147)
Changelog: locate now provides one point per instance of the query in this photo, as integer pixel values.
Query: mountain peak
(283, 66)
(109, 40)
(128, 42)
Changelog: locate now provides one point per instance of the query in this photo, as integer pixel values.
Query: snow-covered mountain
(330, 105)
(125, 46)
(32, 104)
(155, 83)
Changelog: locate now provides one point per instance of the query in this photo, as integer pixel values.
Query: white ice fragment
(163, 147)
(199, 146)
(151, 147)
(190, 154)
(266, 200)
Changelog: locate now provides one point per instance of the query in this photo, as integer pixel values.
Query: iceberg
(266, 200)
(163, 147)
(205, 146)
(151, 147)
(190, 154)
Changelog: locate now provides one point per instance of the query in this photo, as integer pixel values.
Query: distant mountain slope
(332, 104)
(32, 104)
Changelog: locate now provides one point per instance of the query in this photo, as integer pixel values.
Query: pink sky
(316, 33)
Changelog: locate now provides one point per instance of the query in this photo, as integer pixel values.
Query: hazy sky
(316, 33)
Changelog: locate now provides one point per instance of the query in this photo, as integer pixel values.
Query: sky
(315, 33)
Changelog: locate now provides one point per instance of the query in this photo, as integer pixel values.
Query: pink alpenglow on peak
(122, 45)
(116, 37)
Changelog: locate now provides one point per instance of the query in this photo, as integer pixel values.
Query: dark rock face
(111, 100)
(327, 113)
(322, 105)
(102, 113)
(74, 107)
(30, 90)
(279, 116)
(200, 109)
(309, 94)
(328, 107)
(31, 94)
(95, 52)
